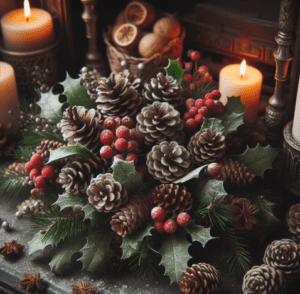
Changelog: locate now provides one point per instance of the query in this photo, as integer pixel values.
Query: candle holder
(291, 161)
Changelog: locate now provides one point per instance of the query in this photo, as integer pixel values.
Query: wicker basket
(144, 68)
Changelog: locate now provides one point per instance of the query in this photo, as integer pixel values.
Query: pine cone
(284, 255)
(45, 146)
(76, 175)
(163, 89)
(172, 198)
(160, 122)
(130, 217)
(264, 280)
(201, 278)
(30, 207)
(244, 214)
(116, 261)
(117, 96)
(83, 126)
(16, 169)
(234, 174)
(90, 79)
(106, 194)
(207, 146)
(293, 222)
(7, 140)
(168, 161)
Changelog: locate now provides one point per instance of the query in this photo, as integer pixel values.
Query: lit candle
(244, 81)
(296, 122)
(9, 100)
(27, 29)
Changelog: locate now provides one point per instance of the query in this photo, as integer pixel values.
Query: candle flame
(243, 68)
(26, 9)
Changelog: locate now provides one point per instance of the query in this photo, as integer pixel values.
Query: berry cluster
(158, 214)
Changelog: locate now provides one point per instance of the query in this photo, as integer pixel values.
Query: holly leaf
(69, 200)
(173, 69)
(92, 214)
(64, 252)
(174, 251)
(68, 151)
(199, 234)
(233, 104)
(258, 159)
(210, 190)
(37, 243)
(212, 123)
(130, 243)
(125, 173)
(96, 252)
(76, 93)
(267, 217)
(195, 174)
(50, 106)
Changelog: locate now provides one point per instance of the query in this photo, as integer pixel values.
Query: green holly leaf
(92, 214)
(199, 233)
(267, 217)
(210, 190)
(76, 93)
(125, 173)
(69, 151)
(96, 252)
(195, 174)
(50, 106)
(212, 123)
(37, 243)
(173, 69)
(64, 251)
(174, 251)
(130, 243)
(258, 159)
(68, 200)
(234, 104)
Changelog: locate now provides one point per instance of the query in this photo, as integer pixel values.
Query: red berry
(136, 136)
(199, 103)
(119, 156)
(122, 132)
(40, 182)
(202, 70)
(193, 111)
(219, 106)
(33, 191)
(106, 152)
(141, 174)
(204, 111)
(184, 219)
(132, 157)
(107, 137)
(199, 119)
(158, 213)
(127, 122)
(191, 124)
(189, 103)
(37, 161)
(217, 94)
(207, 78)
(28, 167)
(159, 226)
(48, 172)
(209, 96)
(187, 78)
(214, 169)
(210, 104)
(198, 83)
(195, 55)
(186, 116)
(170, 226)
(118, 121)
(188, 66)
(133, 145)
(121, 145)
(110, 123)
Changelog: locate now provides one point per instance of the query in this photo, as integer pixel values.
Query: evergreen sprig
(22, 153)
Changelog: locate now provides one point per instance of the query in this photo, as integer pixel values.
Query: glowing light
(243, 68)
(26, 9)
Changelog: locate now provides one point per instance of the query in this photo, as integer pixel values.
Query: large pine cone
(117, 96)
(83, 126)
(207, 146)
(293, 222)
(163, 89)
(264, 279)
(284, 255)
(130, 217)
(76, 175)
(172, 198)
(201, 278)
(168, 161)
(160, 122)
(106, 194)
(234, 173)
(89, 79)
(45, 146)
(244, 214)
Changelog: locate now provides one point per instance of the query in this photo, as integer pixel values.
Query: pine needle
(22, 153)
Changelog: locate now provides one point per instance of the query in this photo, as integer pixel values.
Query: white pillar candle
(247, 84)
(296, 122)
(9, 99)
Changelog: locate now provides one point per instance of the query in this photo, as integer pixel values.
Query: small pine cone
(229, 198)
(244, 214)
(76, 175)
(163, 89)
(264, 280)
(172, 198)
(16, 169)
(293, 222)
(30, 207)
(83, 126)
(89, 79)
(284, 255)
(201, 278)
(160, 122)
(234, 174)
(168, 161)
(106, 194)
(207, 146)
(45, 146)
(117, 96)
(116, 252)
(130, 217)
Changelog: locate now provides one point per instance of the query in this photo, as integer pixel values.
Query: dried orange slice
(140, 13)
(127, 36)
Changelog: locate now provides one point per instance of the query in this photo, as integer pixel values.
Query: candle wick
(27, 18)
(242, 76)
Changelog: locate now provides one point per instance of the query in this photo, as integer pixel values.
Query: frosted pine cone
(293, 222)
